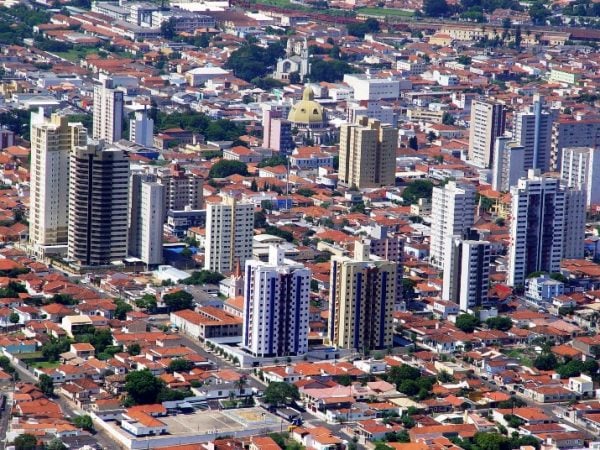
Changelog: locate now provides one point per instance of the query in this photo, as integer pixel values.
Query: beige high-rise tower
(361, 301)
(229, 232)
(51, 141)
(368, 154)
(488, 120)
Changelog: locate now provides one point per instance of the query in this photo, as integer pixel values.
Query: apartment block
(276, 304)
(52, 139)
(368, 154)
(452, 213)
(98, 202)
(229, 232)
(108, 112)
(361, 301)
(580, 169)
(488, 121)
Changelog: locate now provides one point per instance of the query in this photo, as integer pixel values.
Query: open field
(385, 12)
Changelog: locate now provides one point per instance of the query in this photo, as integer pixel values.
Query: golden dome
(306, 111)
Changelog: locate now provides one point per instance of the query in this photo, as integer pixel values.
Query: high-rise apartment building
(51, 141)
(389, 248)
(108, 112)
(183, 189)
(533, 130)
(276, 304)
(141, 129)
(467, 271)
(572, 133)
(229, 232)
(361, 301)
(452, 213)
(146, 218)
(508, 164)
(488, 120)
(277, 131)
(368, 154)
(580, 169)
(574, 230)
(537, 227)
(98, 202)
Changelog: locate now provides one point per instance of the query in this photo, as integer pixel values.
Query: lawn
(520, 354)
(45, 365)
(390, 12)
(75, 55)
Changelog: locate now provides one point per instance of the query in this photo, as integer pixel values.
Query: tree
(250, 61)
(360, 29)
(180, 365)
(14, 318)
(435, 8)
(330, 71)
(52, 349)
(294, 78)
(84, 422)
(492, 441)
(167, 28)
(398, 374)
(56, 444)
(466, 323)
(260, 219)
(203, 277)
(26, 442)
(448, 119)
(134, 349)
(225, 168)
(278, 393)
(546, 361)
(143, 387)
(179, 300)
(122, 309)
(416, 190)
(538, 12)
(501, 323)
(276, 160)
(147, 302)
(413, 143)
(46, 385)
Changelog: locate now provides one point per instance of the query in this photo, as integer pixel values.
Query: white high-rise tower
(108, 112)
(276, 303)
(51, 141)
(452, 213)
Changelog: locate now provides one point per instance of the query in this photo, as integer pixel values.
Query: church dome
(307, 111)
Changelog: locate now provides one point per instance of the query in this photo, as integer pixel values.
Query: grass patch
(385, 12)
(45, 365)
(520, 355)
(75, 55)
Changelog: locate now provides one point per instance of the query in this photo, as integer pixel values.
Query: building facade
(108, 112)
(276, 304)
(537, 227)
(229, 232)
(368, 154)
(466, 271)
(52, 139)
(580, 169)
(141, 129)
(98, 202)
(452, 213)
(572, 133)
(508, 164)
(183, 190)
(146, 219)
(361, 301)
(533, 130)
(574, 232)
(488, 120)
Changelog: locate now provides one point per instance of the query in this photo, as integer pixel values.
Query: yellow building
(361, 301)
(368, 154)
